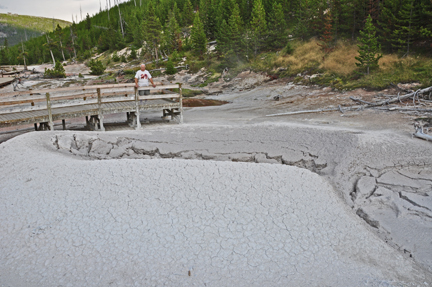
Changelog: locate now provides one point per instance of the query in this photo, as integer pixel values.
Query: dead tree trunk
(73, 42)
(25, 64)
(61, 48)
(121, 21)
(49, 47)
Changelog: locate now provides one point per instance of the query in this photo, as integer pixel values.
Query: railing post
(137, 113)
(100, 115)
(50, 120)
(181, 103)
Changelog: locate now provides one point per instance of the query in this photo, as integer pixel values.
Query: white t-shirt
(143, 78)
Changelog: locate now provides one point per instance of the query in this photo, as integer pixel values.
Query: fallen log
(303, 112)
(404, 97)
(421, 135)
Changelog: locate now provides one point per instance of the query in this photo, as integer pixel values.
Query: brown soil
(191, 102)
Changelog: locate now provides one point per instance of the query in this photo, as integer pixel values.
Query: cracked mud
(189, 206)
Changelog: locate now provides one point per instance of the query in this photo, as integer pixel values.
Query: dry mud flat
(250, 205)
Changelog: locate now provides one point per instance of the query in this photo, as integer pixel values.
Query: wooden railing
(48, 105)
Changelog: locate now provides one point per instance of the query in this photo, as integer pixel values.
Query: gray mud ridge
(71, 219)
(385, 178)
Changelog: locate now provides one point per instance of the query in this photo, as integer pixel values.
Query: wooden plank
(167, 96)
(87, 88)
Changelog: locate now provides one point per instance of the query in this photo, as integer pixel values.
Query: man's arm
(151, 80)
(136, 82)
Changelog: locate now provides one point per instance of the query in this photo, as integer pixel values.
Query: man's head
(142, 67)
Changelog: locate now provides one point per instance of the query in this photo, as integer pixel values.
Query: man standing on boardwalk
(142, 78)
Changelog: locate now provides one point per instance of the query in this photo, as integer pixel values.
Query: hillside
(15, 27)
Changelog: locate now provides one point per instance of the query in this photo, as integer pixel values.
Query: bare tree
(121, 21)
(50, 45)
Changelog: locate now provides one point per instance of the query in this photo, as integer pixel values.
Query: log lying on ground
(303, 112)
(395, 99)
(365, 105)
(424, 136)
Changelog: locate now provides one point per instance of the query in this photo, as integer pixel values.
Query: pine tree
(404, 29)
(369, 47)
(327, 37)
(88, 22)
(386, 23)
(207, 14)
(224, 38)
(235, 30)
(152, 30)
(258, 26)
(223, 12)
(188, 13)
(198, 37)
(172, 33)
(277, 27)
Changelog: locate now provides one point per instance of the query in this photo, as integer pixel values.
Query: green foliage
(57, 72)
(152, 30)
(198, 37)
(288, 49)
(258, 26)
(188, 13)
(277, 27)
(115, 57)
(133, 54)
(96, 67)
(369, 47)
(170, 70)
(80, 75)
(172, 35)
(88, 22)
(123, 58)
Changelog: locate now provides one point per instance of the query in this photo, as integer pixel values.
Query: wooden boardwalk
(43, 107)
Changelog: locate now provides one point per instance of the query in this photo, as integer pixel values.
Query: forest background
(286, 38)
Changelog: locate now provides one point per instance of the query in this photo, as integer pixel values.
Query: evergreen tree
(207, 14)
(188, 13)
(224, 38)
(277, 27)
(88, 22)
(235, 30)
(387, 21)
(198, 37)
(369, 47)
(327, 37)
(223, 12)
(170, 69)
(258, 26)
(404, 29)
(172, 34)
(152, 30)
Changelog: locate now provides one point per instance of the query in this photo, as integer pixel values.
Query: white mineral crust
(69, 221)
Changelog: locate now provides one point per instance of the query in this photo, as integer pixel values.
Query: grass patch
(187, 93)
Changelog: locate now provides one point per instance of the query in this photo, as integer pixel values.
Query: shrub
(96, 67)
(57, 72)
(80, 75)
(115, 57)
(133, 54)
(174, 56)
(288, 49)
(170, 70)
(123, 59)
